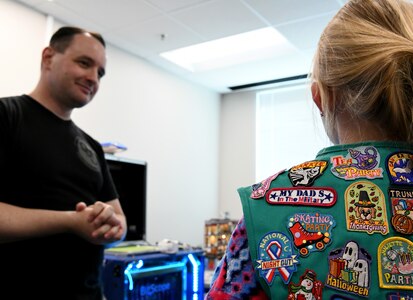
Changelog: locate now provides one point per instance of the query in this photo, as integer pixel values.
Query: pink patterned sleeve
(234, 277)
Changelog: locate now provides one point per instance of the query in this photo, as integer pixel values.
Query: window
(289, 129)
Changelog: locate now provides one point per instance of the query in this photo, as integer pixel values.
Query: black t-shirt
(49, 163)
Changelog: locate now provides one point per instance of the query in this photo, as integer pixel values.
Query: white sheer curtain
(289, 129)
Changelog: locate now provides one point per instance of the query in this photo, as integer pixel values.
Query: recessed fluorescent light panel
(234, 50)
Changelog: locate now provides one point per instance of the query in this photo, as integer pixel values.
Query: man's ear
(315, 92)
(47, 55)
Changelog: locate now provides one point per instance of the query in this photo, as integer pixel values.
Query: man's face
(74, 75)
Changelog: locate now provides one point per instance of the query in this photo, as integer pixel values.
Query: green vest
(337, 227)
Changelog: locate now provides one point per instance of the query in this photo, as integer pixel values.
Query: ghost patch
(349, 270)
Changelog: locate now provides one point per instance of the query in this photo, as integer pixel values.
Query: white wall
(237, 149)
(170, 123)
(22, 37)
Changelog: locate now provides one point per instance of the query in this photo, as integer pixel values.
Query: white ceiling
(137, 26)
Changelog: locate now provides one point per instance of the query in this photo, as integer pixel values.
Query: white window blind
(289, 129)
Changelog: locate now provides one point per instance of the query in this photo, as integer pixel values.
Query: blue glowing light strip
(195, 286)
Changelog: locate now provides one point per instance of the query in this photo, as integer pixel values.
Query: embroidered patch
(366, 208)
(259, 189)
(308, 287)
(400, 168)
(402, 210)
(395, 265)
(304, 174)
(315, 196)
(276, 257)
(399, 296)
(360, 162)
(349, 270)
(311, 231)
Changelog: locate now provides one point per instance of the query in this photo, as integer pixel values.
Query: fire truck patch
(400, 168)
(276, 257)
(311, 231)
(395, 265)
(304, 174)
(366, 208)
(360, 162)
(315, 196)
(349, 270)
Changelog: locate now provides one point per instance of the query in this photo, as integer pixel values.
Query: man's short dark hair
(62, 38)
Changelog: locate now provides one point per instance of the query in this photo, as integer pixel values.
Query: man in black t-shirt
(58, 204)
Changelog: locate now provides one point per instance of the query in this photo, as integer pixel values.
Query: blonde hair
(364, 65)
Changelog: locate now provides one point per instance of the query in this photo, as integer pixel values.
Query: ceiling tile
(31, 2)
(217, 19)
(305, 34)
(111, 14)
(169, 6)
(148, 35)
(279, 11)
(67, 16)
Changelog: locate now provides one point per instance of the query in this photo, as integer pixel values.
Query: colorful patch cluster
(366, 206)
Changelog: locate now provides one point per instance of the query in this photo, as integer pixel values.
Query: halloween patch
(366, 208)
(311, 231)
(402, 210)
(360, 162)
(400, 168)
(259, 189)
(308, 287)
(349, 270)
(395, 265)
(276, 257)
(316, 196)
(304, 174)
(399, 296)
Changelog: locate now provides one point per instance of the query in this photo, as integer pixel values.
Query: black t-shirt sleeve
(108, 191)
(8, 126)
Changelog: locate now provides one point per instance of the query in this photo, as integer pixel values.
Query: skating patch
(399, 296)
(366, 208)
(311, 231)
(360, 162)
(315, 196)
(395, 265)
(304, 174)
(308, 287)
(400, 168)
(349, 270)
(259, 189)
(402, 210)
(275, 251)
